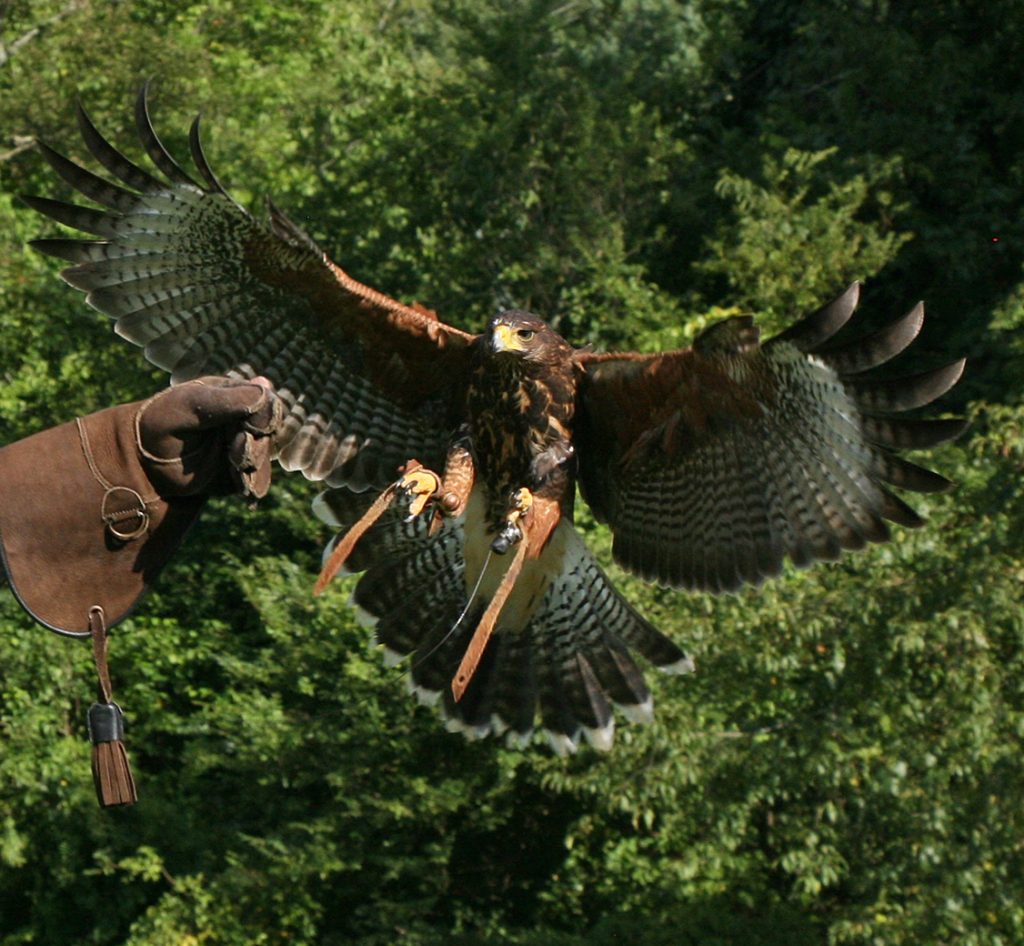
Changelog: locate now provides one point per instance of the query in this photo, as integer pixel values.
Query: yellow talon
(522, 500)
(511, 532)
(421, 484)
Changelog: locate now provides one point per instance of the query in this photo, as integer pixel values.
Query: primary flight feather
(452, 459)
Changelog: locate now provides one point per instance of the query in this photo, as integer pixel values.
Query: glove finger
(215, 406)
(249, 457)
(175, 421)
(249, 452)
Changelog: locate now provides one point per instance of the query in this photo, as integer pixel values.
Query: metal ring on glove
(116, 520)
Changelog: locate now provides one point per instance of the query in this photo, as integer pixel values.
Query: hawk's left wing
(715, 463)
(206, 288)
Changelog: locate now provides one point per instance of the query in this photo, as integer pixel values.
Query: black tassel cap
(111, 771)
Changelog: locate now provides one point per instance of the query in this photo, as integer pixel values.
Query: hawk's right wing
(205, 288)
(714, 464)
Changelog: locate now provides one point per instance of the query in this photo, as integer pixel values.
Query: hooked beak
(503, 339)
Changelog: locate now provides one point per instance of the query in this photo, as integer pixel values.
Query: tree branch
(21, 143)
(9, 50)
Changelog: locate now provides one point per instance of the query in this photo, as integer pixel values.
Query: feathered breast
(515, 417)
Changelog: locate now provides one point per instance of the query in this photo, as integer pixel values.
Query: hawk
(451, 459)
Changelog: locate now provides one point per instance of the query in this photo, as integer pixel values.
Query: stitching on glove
(152, 458)
(112, 519)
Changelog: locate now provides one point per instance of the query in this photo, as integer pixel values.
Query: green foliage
(843, 768)
(802, 233)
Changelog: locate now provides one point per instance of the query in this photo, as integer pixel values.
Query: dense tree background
(846, 765)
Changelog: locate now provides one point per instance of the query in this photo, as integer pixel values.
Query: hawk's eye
(526, 334)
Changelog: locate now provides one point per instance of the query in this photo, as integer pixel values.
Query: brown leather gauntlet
(91, 511)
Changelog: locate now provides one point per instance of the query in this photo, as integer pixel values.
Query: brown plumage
(520, 406)
(711, 465)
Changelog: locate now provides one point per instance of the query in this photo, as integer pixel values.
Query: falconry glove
(94, 509)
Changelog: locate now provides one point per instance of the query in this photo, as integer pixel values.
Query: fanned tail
(567, 659)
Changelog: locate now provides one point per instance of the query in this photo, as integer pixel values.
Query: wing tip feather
(815, 329)
(678, 667)
(641, 714)
(155, 148)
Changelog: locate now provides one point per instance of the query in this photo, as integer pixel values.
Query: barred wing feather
(205, 288)
(714, 464)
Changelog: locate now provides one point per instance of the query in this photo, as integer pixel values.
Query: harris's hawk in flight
(451, 460)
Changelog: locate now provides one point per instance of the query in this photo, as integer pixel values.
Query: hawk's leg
(459, 477)
(511, 531)
(548, 471)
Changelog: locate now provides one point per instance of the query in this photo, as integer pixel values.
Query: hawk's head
(518, 334)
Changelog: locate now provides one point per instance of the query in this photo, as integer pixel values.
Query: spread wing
(715, 463)
(206, 288)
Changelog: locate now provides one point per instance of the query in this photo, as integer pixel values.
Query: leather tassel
(111, 771)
